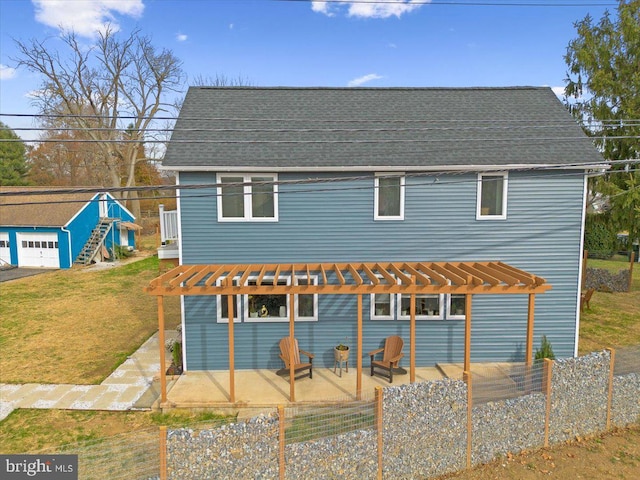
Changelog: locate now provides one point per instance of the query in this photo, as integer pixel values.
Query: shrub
(545, 350)
(599, 238)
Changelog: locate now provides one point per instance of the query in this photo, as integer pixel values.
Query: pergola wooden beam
(411, 278)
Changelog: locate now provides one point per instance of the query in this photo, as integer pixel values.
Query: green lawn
(614, 318)
(76, 326)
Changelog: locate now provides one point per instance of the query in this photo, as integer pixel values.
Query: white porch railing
(168, 226)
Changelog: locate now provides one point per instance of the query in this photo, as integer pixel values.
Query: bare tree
(112, 91)
(220, 80)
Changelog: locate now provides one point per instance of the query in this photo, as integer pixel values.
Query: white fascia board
(380, 168)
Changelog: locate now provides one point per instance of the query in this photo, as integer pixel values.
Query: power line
(470, 3)
(434, 179)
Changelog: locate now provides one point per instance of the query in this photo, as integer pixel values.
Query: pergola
(409, 278)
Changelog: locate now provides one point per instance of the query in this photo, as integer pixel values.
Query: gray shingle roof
(336, 128)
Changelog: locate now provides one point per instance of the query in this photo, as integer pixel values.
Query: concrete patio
(264, 388)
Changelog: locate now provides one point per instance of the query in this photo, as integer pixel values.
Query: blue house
(338, 175)
(48, 230)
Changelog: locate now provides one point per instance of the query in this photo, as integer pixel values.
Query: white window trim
(372, 306)
(421, 317)
(377, 193)
(247, 197)
(314, 318)
(250, 319)
(505, 190)
(237, 318)
(450, 315)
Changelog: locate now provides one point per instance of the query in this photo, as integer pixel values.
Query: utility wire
(435, 179)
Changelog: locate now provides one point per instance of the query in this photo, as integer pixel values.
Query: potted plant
(341, 351)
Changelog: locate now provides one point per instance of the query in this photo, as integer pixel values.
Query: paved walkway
(119, 391)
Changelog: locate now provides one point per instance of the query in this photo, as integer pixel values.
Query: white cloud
(181, 37)
(7, 73)
(559, 91)
(85, 17)
(368, 8)
(231, 26)
(356, 82)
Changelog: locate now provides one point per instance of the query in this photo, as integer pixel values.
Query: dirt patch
(612, 455)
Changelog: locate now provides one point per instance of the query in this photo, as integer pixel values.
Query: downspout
(68, 243)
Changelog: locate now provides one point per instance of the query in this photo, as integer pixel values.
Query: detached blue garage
(40, 229)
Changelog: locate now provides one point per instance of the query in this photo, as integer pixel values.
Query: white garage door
(5, 254)
(38, 250)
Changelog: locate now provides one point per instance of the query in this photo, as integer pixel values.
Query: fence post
(163, 452)
(548, 372)
(281, 465)
(467, 380)
(378, 415)
(612, 363)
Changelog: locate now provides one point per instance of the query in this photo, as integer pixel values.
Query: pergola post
(292, 369)
(529, 349)
(359, 348)
(412, 339)
(163, 373)
(467, 333)
(232, 380)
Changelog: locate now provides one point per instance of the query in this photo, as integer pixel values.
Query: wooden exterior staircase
(95, 242)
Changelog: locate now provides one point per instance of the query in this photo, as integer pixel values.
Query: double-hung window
(247, 198)
(222, 304)
(307, 304)
(389, 197)
(492, 196)
(382, 306)
(456, 306)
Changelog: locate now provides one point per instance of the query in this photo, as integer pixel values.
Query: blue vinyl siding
(334, 223)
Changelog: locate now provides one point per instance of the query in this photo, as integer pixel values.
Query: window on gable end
(389, 197)
(492, 196)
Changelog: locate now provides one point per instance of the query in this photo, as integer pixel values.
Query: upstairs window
(389, 197)
(492, 196)
(248, 198)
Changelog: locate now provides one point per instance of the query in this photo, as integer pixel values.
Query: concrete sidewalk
(119, 391)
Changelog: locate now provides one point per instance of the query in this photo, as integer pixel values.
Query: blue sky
(298, 43)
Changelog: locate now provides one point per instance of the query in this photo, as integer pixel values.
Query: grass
(76, 326)
(28, 430)
(614, 318)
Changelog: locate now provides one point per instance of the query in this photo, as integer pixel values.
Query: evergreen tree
(603, 92)
(13, 163)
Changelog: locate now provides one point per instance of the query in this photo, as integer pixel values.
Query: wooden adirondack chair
(391, 355)
(298, 366)
(585, 298)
